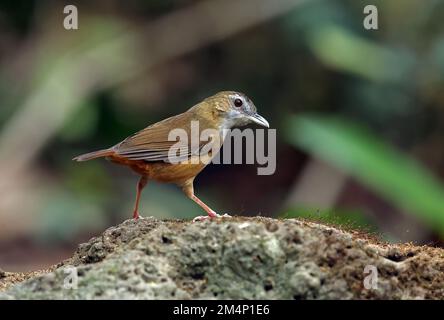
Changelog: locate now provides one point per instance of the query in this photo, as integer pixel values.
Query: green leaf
(390, 173)
(343, 50)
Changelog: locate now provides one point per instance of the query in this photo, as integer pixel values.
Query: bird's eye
(238, 103)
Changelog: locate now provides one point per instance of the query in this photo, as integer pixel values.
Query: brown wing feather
(152, 144)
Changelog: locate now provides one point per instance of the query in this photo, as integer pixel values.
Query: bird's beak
(257, 118)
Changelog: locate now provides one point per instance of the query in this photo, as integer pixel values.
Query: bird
(155, 155)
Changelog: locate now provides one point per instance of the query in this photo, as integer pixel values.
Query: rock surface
(238, 258)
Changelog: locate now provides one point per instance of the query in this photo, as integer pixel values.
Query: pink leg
(189, 191)
(211, 212)
(140, 185)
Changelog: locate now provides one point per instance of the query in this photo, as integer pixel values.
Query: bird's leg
(140, 185)
(189, 191)
(211, 213)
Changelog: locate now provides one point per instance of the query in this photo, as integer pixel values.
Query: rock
(8, 279)
(238, 258)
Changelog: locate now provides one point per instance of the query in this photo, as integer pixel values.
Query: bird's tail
(94, 155)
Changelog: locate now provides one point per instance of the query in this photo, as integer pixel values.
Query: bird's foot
(137, 216)
(212, 216)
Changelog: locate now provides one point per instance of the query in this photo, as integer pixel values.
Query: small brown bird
(155, 153)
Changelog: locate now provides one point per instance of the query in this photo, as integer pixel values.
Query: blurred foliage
(358, 153)
(314, 60)
(83, 123)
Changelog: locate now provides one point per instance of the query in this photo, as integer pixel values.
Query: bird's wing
(152, 143)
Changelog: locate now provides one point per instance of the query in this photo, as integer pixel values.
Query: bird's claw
(203, 218)
(138, 217)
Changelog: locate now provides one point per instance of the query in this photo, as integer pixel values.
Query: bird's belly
(174, 173)
(178, 173)
(165, 172)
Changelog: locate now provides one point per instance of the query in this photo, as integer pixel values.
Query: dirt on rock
(238, 258)
(8, 279)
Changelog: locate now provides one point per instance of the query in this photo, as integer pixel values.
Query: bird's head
(235, 109)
